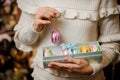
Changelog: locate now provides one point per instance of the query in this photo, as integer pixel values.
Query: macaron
(93, 48)
(84, 49)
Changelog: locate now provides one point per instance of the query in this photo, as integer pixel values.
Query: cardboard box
(91, 51)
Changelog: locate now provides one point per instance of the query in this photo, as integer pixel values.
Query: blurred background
(16, 64)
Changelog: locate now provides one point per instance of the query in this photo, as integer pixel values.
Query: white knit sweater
(80, 20)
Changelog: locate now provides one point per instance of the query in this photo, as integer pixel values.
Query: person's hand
(80, 66)
(43, 17)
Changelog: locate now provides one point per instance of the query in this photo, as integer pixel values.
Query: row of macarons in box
(70, 49)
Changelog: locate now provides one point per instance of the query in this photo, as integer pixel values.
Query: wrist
(90, 70)
(86, 71)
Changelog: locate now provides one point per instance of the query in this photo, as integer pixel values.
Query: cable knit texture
(78, 21)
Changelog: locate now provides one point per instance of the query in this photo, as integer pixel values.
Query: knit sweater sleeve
(25, 36)
(28, 6)
(109, 37)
